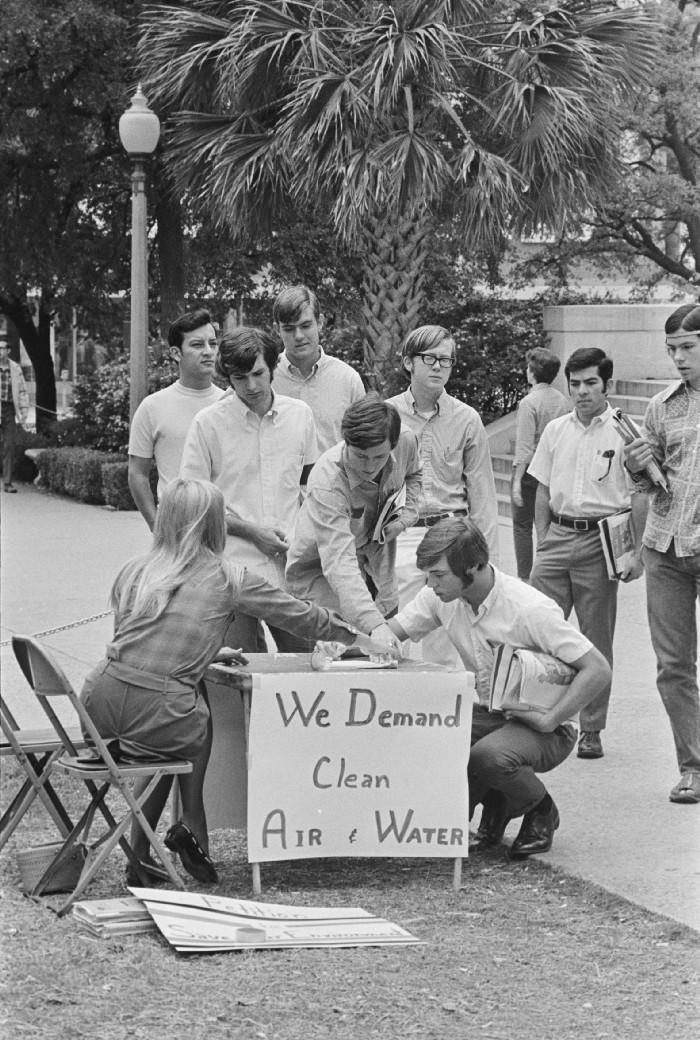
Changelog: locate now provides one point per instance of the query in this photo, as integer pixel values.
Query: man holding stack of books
(582, 480)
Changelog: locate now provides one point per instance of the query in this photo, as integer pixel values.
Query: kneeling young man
(479, 607)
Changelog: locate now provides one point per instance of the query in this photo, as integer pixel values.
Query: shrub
(76, 472)
(115, 485)
(25, 468)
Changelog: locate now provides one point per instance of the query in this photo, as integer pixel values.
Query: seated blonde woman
(172, 607)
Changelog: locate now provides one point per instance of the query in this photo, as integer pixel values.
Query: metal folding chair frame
(99, 772)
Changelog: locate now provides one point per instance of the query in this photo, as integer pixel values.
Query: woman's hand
(228, 655)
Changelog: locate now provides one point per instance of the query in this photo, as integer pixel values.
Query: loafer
(590, 745)
(536, 833)
(194, 859)
(156, 875)
(687, 790)
(10, 488)
(493, 823)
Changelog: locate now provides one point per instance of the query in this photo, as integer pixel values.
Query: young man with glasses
(457, 473)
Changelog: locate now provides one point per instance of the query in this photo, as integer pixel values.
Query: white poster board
(359, 764)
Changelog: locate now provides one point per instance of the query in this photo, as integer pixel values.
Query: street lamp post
(139, 130)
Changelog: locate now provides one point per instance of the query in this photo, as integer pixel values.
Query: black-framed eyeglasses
(431, 360)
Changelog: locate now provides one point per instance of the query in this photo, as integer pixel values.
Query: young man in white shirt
(162, 420)
(579, 466)
(328, 385)
(258, 447)
(479, 607)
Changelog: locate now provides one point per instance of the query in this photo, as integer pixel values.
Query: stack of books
(523, 677)
(107, 917)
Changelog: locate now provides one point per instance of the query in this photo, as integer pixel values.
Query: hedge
(97, 477)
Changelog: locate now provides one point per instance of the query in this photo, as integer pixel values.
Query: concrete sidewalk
(618, 828)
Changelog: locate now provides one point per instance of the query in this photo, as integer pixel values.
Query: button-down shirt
(672, 429)
(542, 404)
(512, 613)
(332, 546)
(257, 462)
(457, 471)
(573, 461)
(330, 388)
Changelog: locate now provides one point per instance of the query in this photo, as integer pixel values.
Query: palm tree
(385, 115)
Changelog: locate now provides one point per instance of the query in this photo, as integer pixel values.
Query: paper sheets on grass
(195, 923)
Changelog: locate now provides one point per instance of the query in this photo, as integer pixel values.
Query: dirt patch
(521, 951)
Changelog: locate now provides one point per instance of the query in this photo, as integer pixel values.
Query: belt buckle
(581, 525)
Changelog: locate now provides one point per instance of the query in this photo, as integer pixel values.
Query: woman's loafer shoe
(180, 839)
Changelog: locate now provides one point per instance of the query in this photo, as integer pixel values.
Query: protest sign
(359, 764)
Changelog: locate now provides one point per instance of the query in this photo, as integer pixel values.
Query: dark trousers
(523, 522)
(505, 756)
(8, 428)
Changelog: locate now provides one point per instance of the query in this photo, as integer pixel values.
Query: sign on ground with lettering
(359, 764)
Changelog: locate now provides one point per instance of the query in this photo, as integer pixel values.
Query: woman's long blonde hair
(189, 536)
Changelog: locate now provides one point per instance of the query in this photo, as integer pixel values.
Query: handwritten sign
(359, 764)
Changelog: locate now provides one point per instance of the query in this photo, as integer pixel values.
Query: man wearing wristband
(581, 479)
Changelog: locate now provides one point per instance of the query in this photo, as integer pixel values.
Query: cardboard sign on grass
(359, 764)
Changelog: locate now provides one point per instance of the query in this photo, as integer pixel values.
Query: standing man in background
(457, 473)
(258, 447)
(671, 553)
(14, 403)
(542, 404)
(580, 468)
(162, 420)
(328, 385)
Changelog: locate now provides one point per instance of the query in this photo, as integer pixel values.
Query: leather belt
(434, 518)
(584, 523)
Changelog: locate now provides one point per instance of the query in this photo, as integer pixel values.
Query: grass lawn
(521, 951)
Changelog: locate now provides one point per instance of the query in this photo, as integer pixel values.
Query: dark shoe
(11, 489)
(536, 832)
(156, 875)
(494, 820)
(590, 745)
(180, 839)
(687, 790)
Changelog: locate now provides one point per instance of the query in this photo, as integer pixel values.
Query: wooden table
(226, 784)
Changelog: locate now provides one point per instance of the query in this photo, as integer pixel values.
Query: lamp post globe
(139, 130)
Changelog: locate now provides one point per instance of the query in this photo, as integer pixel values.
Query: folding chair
(99, 774)
(36, 751)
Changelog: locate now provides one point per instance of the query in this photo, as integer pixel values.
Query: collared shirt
(512, 613)
(5, 383)
(542, 404)
(183, 640)
(330, 388)
(457, 471)
(333, 535)
(672, 429)
(18, 391)
(257, 462)
(572, 460)
(161, 423)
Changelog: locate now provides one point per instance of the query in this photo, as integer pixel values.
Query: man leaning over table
(258, 447)
(579, 466)
(480, 607)
(327, 384)
(334, 559)
(457, 473)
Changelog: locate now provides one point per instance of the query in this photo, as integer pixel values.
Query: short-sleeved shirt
(575, 463)
(161, 423)
(457, 470)
(535, 411)
(513, 613)
(333, 547)
(329, 389)
(257, 462)
(672, 429)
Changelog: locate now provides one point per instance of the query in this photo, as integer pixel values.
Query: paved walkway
(618, 828)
